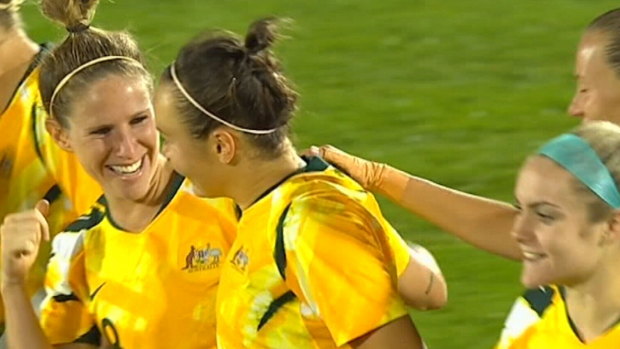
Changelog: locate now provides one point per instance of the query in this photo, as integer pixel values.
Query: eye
(545, 217)
(102, 131)
(138, 120)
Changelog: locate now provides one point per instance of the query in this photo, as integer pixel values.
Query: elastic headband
(11, 5)
(576, 156)
(68, 77)
(187, 96)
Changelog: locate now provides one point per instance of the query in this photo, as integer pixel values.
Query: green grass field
(456, 91)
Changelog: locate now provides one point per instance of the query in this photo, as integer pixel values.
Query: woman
(141, 269)
(568, 230)
(32, 167)
(482, 222)
(313, 262)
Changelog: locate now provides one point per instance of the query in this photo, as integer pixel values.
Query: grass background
(455, 91)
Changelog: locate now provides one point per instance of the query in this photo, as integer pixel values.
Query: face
(112, 132)
(559, 243)
(189, 156)
(598, 86)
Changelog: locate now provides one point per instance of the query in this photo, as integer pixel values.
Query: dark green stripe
(62, 298)
(53, 194)
(279, 253)
(275, 305)
(539, 299)
(87, 221)
(93, 336)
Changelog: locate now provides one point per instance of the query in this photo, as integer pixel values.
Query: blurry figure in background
(32, 167)
(568, 230)
(118, 276)
(315, 264)
(482, 222)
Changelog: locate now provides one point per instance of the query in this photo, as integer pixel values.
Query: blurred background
(455, 91)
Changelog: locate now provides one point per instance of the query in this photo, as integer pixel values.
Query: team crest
(202, 258)
(240, 260)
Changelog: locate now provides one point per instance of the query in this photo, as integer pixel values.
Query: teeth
(532, 255)
(128, 169)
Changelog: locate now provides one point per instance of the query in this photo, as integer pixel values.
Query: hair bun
(261, 35)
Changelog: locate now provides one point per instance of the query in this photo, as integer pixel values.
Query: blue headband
(577, 157)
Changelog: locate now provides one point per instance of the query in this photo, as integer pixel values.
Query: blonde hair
(82, 45)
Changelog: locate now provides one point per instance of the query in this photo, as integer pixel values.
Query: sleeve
(64, 167)
(519, 320)
(65, 317)
(340, 268)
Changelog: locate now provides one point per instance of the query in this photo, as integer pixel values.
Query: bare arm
(482, 222)
(422, 285)
(21, 233)
(398, 334)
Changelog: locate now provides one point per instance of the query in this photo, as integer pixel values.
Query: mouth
(127, 170)
(533, 256)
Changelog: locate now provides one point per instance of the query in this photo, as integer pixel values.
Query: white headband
(68, 77)
(211, 115)
(11, 5)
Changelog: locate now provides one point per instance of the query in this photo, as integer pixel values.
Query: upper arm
(342, 270)
(422, 284)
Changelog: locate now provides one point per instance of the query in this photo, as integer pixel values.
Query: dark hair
(82, 45)
(609, 23)
(9, 17)
(240, 82)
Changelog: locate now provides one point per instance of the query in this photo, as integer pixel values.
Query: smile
(127, 169)
(532, 256)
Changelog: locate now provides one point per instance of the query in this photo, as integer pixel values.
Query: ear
(612, 233)
(225, 144)
(59, 134)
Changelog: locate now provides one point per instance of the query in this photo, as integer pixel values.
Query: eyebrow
(536, 204)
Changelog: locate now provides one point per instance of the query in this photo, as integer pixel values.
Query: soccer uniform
(539, 319)
(153, 289)
(314, 265)
(32, 167)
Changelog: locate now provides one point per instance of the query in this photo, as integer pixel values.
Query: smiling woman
(146, 240)
(568, 229)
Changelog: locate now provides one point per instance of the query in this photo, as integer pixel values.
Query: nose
(522, 230)
(126, 145)
(576, 106)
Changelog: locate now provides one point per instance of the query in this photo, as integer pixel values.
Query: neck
(264, 175)
(135, 215)
(16, 49)
(16, 53)
(594, 305)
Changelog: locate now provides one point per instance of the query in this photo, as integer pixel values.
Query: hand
(20, 236)
(367, 173)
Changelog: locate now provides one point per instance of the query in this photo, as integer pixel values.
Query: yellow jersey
(314, 265)
(539, 319)
(33, 167)
(153, 289)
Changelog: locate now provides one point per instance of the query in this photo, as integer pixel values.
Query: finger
(42, 221)
(43, 206)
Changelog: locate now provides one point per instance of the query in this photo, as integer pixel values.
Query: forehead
(541, 179)
(108, 99)
(165, 109)
(591, 54)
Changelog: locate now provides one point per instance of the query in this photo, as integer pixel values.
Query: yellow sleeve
(65, 317)
(64, 167)
(342, 270)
